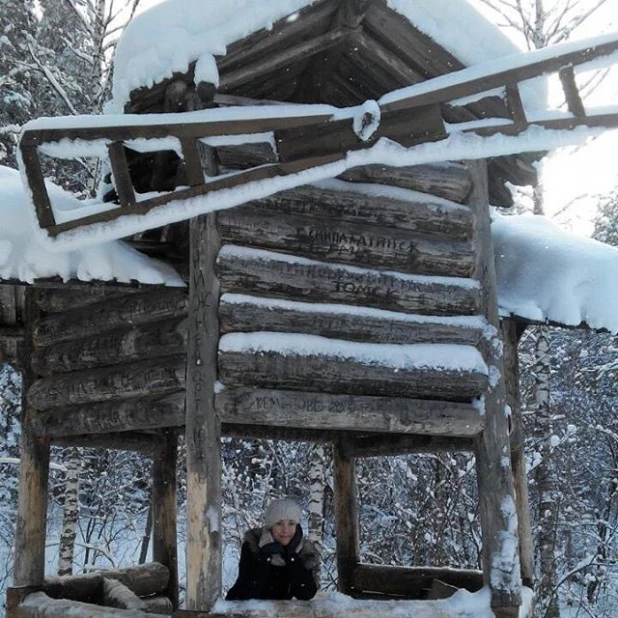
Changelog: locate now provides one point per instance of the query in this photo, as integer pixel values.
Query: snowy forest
(56, 59)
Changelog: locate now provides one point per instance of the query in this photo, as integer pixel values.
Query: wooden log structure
(413, 582)
(143, 580)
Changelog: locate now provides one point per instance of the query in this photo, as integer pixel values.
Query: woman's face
(283, 531)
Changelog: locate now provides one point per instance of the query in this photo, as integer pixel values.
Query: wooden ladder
(305, 137)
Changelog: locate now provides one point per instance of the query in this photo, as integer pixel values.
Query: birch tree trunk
(316, 493)
(546, 480)
(73, 463)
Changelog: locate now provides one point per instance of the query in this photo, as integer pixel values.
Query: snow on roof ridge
(185, 32)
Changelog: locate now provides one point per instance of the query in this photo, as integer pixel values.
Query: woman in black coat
(276, 561)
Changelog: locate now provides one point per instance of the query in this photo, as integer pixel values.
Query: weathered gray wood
(409, 581)
(142, 580)
(165, 338)
(118, 595)
(346, 412)
(203, 429)
(164, 538)
(248, 314)
(30, 527)
(141, 414)
(404, 210)
(381, 445)
(156, 376)
(511, 332)
(449, 181)
(245, 156)
(338, 241)
(158, 605)
(571, 91)
(61, 299)
(39, 604)
(120, 172)
(495, 479)
(346, 519)
(131, 309)
(295, 371)
(273, 275)
(284, 33)
(144, 443)
(232, 79)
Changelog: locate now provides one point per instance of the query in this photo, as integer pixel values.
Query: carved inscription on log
(346, 412)
(340, 241)
(242, 270)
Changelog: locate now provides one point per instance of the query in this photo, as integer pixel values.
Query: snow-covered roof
(544, 273)
(194, 30)
(547, 274)
(23, 258)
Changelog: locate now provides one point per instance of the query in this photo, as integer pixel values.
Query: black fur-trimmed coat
(275, 577)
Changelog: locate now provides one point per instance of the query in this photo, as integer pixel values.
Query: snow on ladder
(316, 139)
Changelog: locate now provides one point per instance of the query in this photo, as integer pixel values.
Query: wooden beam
(118, 595)
(120, 171)
(317, 410)
(451, 182)
(331, 239)
(274, 275)
(30, 528)
(134, 309)
(203, 430)
(251, 314)
(411, 581)
(342, 375)
(389, 445)
(497, 505)
(164, 506)
(125, 441)
(511, 332)
(158, 376)
(571, 91)
(133, 343)
(39, 604)
(36, 182)
(375, 206)
(346, 519)
(142, 580)
(113, 416)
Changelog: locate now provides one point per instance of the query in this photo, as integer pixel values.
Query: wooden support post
(29, 566)
(203, 429)
(495, 478)
(511, 333)
(164, 543)
(346, 517)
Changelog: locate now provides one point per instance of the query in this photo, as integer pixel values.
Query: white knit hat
(281, 509)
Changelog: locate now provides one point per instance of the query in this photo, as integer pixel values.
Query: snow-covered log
(39, 604)
(450, 181)
(143, 580)
(116, 594)
(240, 313)
(333, 202)
(348, 243)
(332, 374)
(250, 271)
